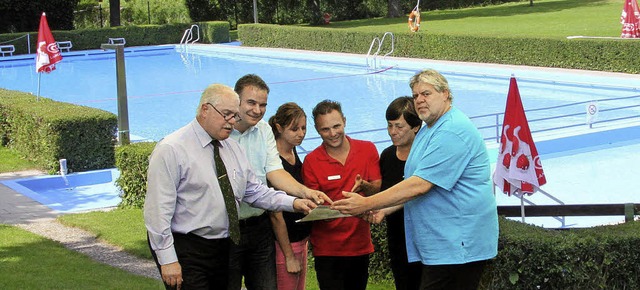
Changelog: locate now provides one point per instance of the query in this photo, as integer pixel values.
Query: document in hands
(322, 212)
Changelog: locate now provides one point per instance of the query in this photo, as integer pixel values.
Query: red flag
(48, 53)
(630, 19)
(518, 166)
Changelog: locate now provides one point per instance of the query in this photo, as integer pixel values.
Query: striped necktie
(227, 193)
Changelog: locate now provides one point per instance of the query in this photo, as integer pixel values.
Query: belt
(254, 220)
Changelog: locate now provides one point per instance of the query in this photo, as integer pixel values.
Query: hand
(293, 265)
(357, 187)
(303, 205)
(373, 216)
(353, 204)
(172, 274)
(317, 196)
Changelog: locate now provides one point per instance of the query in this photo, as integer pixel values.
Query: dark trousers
(204, 262)
(407, 276)
(452, 277)
(342, 273)
(255, 257)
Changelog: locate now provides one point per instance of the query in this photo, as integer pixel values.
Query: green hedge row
(45, 131)
(587, 54)
(210, 32)
(529, 257)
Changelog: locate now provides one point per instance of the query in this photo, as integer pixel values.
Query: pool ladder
(374, 57)
(187, 37)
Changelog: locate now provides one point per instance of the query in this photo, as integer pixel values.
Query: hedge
(210, 32)
(45, 131)
(588, 54)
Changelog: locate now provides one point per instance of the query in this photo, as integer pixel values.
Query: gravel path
(86, 243)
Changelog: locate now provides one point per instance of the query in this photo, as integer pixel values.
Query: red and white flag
(518, 167)
(48, 53)
(630, 19)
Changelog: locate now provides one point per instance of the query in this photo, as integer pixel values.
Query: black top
(297, 231)
(392, 170)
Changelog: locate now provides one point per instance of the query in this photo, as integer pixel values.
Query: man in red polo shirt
(341, 246)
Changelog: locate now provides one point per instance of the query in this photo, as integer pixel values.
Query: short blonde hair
(432, 77)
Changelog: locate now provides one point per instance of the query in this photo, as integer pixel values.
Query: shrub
(588, 54)
(133, 162)
(45, 131)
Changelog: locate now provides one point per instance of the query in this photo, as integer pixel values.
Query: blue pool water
(164, 86)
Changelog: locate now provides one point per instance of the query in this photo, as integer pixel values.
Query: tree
(315, 15)
(114, 12)
(394, 9)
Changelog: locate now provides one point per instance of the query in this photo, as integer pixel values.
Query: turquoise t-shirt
(456, 222)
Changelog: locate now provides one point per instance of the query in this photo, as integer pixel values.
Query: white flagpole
(521, 205)
(38, 94)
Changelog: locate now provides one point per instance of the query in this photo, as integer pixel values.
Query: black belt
(254, 220)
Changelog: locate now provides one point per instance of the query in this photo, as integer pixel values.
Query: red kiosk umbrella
(48, 53)
(518, 168)
(630, 19)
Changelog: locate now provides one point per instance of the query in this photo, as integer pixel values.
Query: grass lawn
(545, 19)
(125, 228)
(12, 162)
(28, 261)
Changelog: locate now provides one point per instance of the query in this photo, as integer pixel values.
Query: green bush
(17, 15)
(211, 32)
(133, 162)
(45, 131)
(530, 257)
(587, 54)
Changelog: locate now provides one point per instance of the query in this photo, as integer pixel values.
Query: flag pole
(38, 94)
(521, 205)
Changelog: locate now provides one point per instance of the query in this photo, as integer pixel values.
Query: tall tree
(394, 9)
(114, 12)
(315, 15)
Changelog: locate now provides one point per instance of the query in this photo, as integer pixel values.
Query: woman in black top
(289, 126)
(402, 125)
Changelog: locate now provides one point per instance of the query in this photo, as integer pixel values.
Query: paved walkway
(19, 210)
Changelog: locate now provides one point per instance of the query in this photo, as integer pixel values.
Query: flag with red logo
(48, 53)
(518, 167)
(630, 19)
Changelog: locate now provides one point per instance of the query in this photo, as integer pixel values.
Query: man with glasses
(254, 258)
(190, 207)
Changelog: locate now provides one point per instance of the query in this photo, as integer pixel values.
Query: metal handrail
(369, 52)
(380, 42)
(496, 123)
(187, 36)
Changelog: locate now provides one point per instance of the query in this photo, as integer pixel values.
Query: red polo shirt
(350, 236)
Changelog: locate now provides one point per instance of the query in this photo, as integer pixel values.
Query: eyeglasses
(227, 117)
(424, 93)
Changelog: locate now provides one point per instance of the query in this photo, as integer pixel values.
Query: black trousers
(204, 262)
(342, 273)
(452, 277)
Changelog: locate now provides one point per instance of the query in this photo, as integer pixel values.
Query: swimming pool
(164, 86)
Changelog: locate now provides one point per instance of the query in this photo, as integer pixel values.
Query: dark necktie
(227, 193)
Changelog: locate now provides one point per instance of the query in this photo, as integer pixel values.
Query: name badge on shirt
(333, 177)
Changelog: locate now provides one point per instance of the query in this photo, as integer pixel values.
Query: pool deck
(16, 208)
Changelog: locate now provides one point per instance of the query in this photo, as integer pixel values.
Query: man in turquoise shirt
(451, 215)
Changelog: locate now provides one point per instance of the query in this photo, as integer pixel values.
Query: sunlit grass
(12, 162)
(546, 19)
(28, 261)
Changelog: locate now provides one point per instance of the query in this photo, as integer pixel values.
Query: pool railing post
(121, 79)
